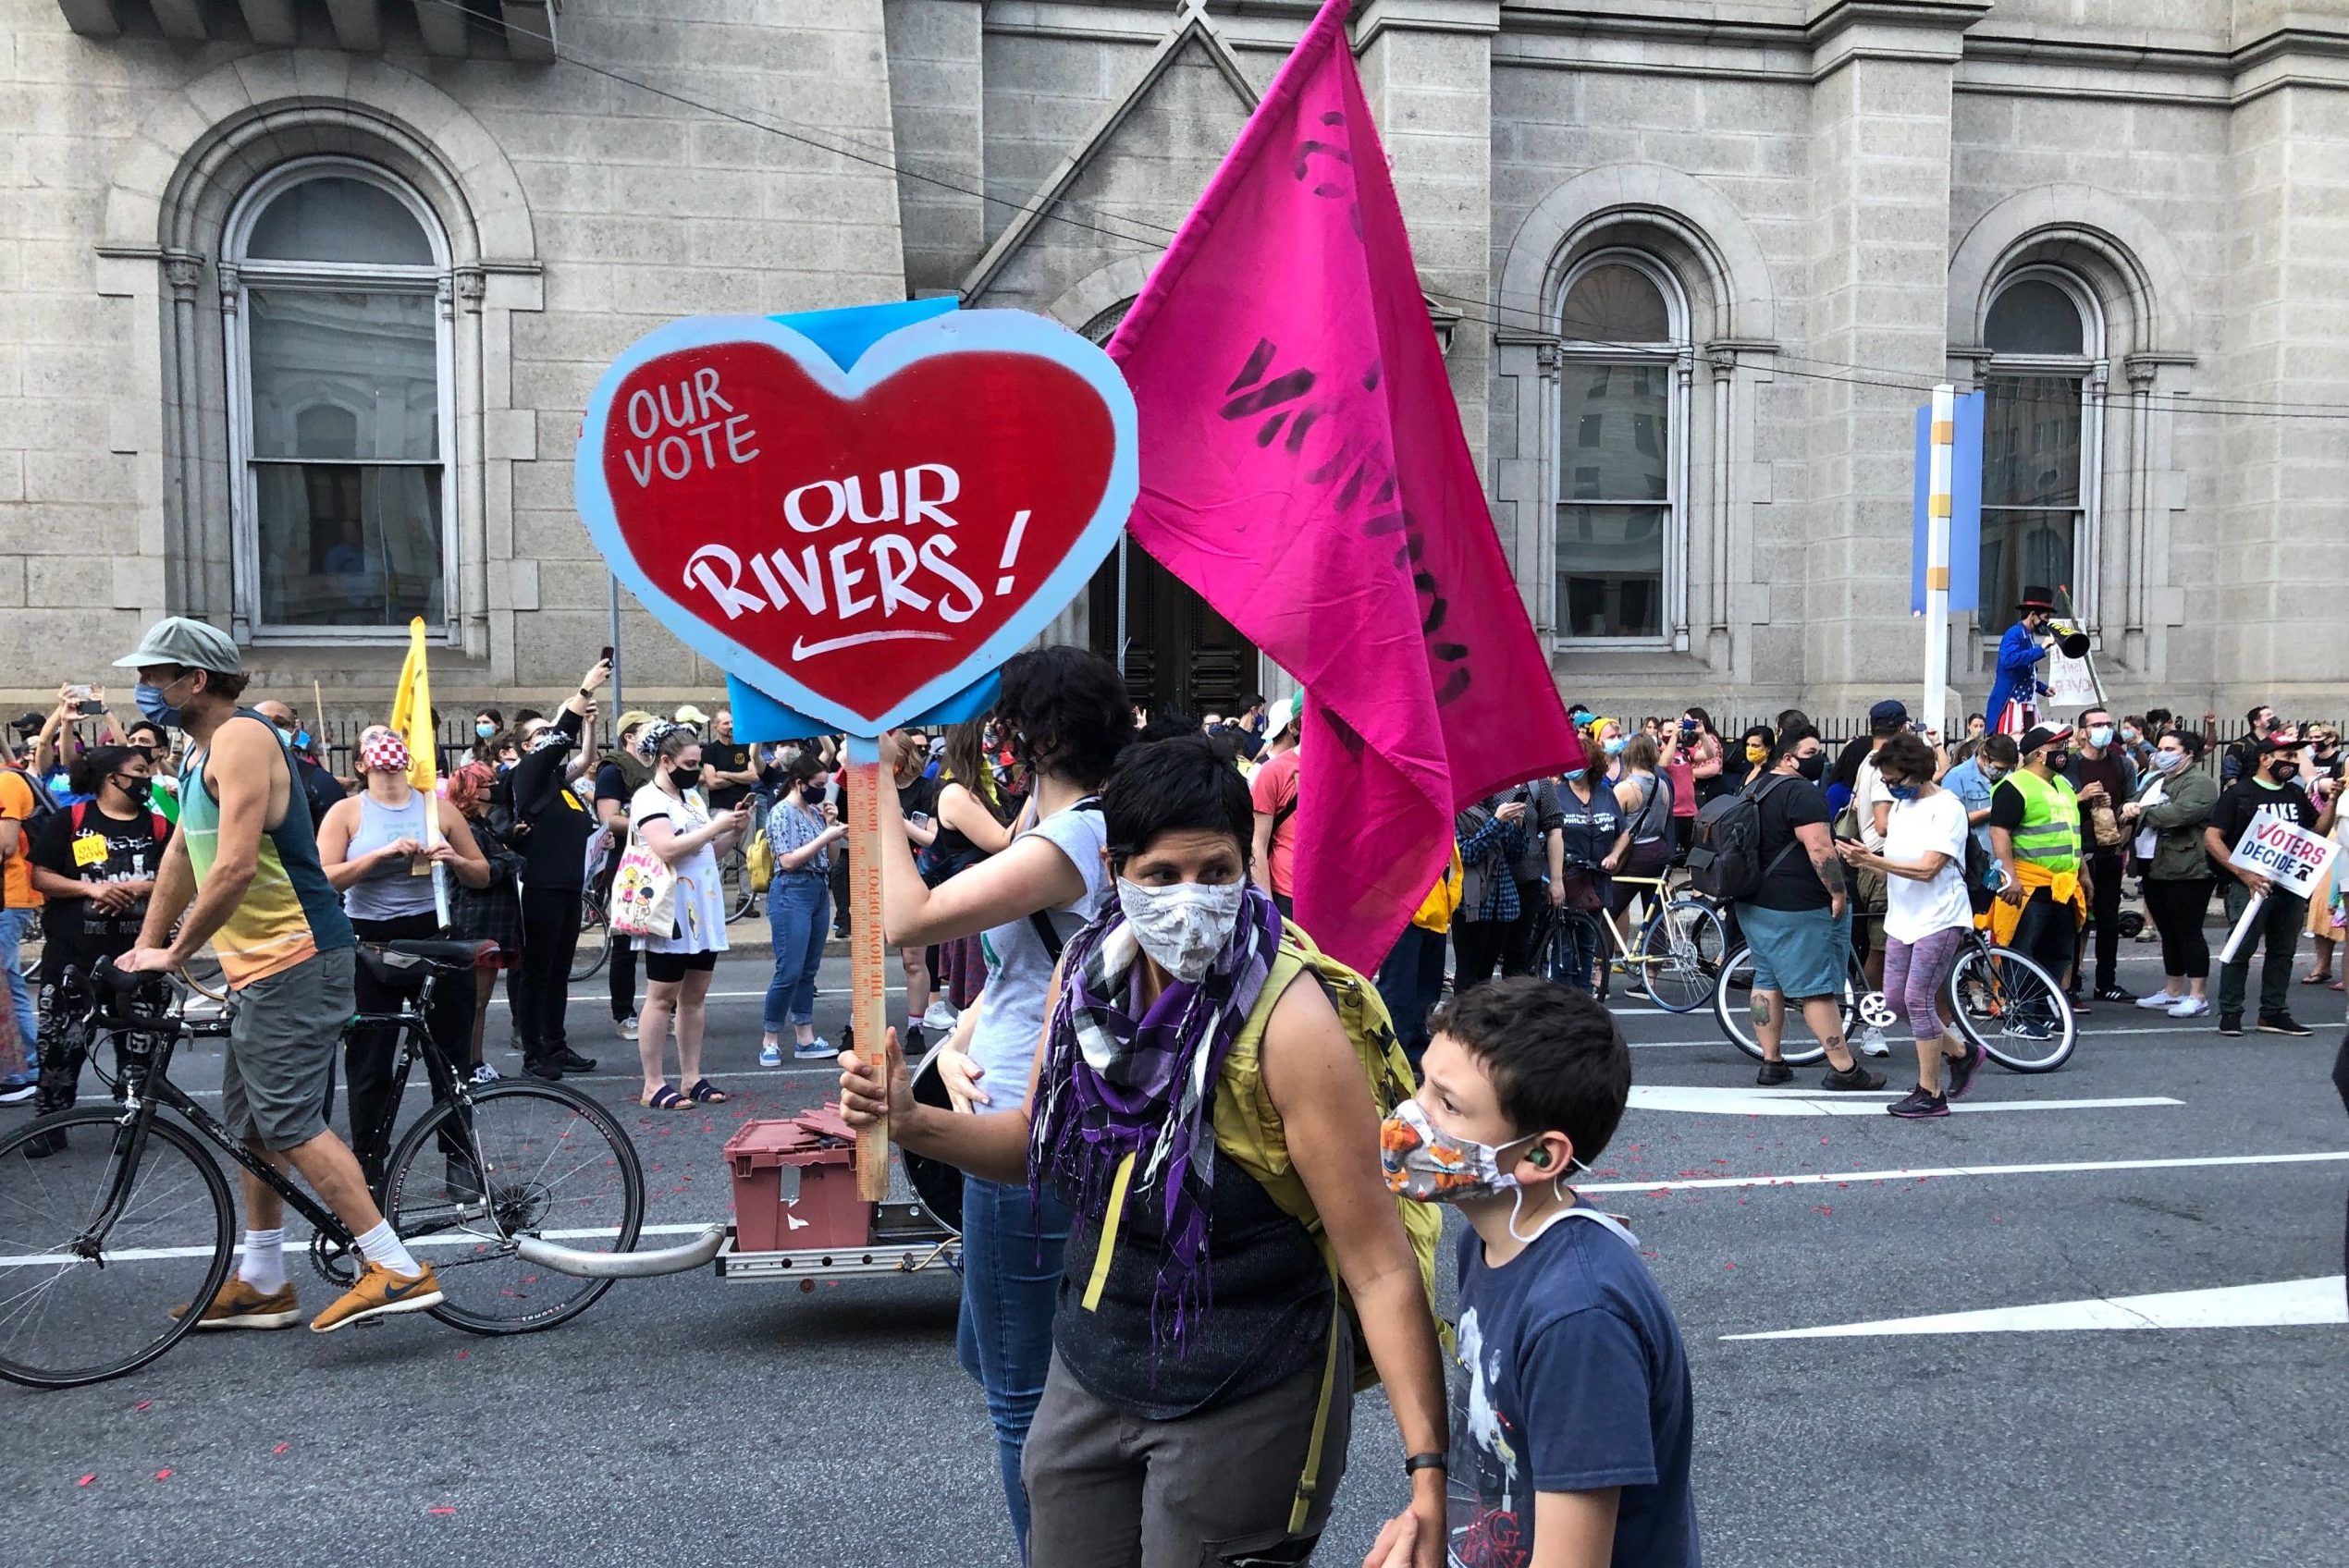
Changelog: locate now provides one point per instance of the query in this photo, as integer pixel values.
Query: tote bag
(643, 893)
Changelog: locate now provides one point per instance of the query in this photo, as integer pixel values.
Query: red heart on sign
(848, 549)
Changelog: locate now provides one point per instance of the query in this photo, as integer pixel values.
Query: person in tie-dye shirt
(243, 872)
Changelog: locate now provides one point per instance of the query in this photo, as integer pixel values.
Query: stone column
(2282, 560)
(1427, 70)
(1878, 284)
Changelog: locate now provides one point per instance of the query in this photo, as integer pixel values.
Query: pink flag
(1303, 468)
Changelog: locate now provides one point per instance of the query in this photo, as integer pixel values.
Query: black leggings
(2177, 909)
(368, 1054)
(549, 941)
(1477, 946)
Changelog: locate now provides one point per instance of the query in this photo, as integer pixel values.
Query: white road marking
(1777, 1102)
(2286, 1303)
(1920, 1174)
(301, 1241)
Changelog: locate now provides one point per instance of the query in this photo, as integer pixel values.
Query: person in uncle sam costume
(2016, 689)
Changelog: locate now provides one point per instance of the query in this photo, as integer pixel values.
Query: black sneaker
(2283, 1023)
(572, 1061)
(1773, 1074)
(1858, 1081)
(2115, 994)
(2230, 1024)
(543, 1067)
(44, 1145)
(1917, 1106)
(1960, 1070)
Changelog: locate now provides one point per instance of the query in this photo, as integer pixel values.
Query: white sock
(381, 1245)
(263, 1265)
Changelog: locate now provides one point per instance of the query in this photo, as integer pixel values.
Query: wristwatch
(1420, 1462)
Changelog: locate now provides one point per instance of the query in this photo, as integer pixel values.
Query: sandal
(704, 1092)
(2316, 980)
(663, 1098)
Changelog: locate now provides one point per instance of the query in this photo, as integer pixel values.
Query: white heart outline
(955, 332)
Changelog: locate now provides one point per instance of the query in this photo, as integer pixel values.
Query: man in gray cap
(243, 872)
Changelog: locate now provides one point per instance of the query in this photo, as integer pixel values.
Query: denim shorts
(1800, 953)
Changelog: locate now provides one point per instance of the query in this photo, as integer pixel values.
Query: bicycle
(1676, 963)
(117, 1223)
(1999, 999)
(595, 937)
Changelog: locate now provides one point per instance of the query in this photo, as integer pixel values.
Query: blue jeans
(12, 926)
(1576, 949)
(799, 913)
(1411, 982)
(1011, 1283)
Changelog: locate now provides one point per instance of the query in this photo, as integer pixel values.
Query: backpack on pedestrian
(1725, 850)
(1248, 1130)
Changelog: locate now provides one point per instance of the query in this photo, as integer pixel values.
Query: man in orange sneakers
(243, 873)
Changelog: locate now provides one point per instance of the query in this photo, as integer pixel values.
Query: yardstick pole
(868, 982)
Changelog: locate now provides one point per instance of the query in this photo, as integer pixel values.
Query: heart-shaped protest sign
(860, 544)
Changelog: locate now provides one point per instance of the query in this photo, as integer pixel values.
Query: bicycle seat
(406, 964)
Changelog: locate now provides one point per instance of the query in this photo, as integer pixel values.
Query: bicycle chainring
(1874, 1011)
(335, 1263)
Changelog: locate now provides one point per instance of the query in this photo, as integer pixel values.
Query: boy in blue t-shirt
(1570, 1403)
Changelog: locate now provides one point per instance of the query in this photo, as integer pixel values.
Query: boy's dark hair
(1794, 718)
(1906, 755)
(2191, 741)
(1557, 1060)
(2003, 748)
(1171, 786)
(1071, 705)
(1167, 726)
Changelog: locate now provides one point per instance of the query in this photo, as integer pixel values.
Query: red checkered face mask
(384, 753)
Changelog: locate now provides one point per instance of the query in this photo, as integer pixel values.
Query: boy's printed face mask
(1433, 1167)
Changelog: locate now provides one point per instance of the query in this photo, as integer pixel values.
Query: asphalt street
(689, 1421)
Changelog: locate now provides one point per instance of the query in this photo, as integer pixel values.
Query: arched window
(1621, 416)
(341, 402)
(2039, 448)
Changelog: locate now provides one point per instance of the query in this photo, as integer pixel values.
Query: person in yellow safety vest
(2035, 831)
(1411, 981)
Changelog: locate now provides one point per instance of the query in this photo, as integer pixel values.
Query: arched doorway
(1178, 654)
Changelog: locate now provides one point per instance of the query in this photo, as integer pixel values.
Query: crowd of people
(1093, 908)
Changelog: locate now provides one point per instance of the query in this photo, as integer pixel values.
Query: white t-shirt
(701, 899)
(1913, 910)
(1019, 967)
(1867, 793)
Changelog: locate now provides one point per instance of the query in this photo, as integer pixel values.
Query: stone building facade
(299, 302)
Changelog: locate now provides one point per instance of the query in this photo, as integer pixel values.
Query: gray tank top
(393, 888)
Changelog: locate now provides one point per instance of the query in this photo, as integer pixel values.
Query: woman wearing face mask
(1606, 739)
(2171, 809)
(1754, 748)
(486, 724)
(1179, 1423)
(1927, 917)
(492, 912)
(371, 847)
(1065, 714)
(1646, 797)
(672, 817)
(1588, 846)
(974, 822)
(804, 830)
(96, 862)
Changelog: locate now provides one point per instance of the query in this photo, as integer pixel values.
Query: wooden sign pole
(867, 950)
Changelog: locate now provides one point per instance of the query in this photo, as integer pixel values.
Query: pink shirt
(1274, 787)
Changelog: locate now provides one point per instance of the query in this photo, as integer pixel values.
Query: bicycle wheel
(595, 942)
(734, 881)
(1680, 955)
(1732, 1008)
(2013, 1009)
(552, 1164)
(71, 1313)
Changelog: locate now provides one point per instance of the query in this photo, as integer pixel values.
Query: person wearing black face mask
(2270, 789)
(96, 864)
(1798, 920)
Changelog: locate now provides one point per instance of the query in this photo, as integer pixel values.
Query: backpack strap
(1761, 793)
(1041, 919)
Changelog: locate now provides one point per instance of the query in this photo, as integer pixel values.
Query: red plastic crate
(827, 1214)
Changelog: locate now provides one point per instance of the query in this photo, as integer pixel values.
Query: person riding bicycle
(243, 872)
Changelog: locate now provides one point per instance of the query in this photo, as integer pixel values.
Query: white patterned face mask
(1182, 927)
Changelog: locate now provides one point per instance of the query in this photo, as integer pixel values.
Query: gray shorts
(1107, 1487)
(281, 1047)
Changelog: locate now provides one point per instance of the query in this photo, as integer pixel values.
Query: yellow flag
(412, 712)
